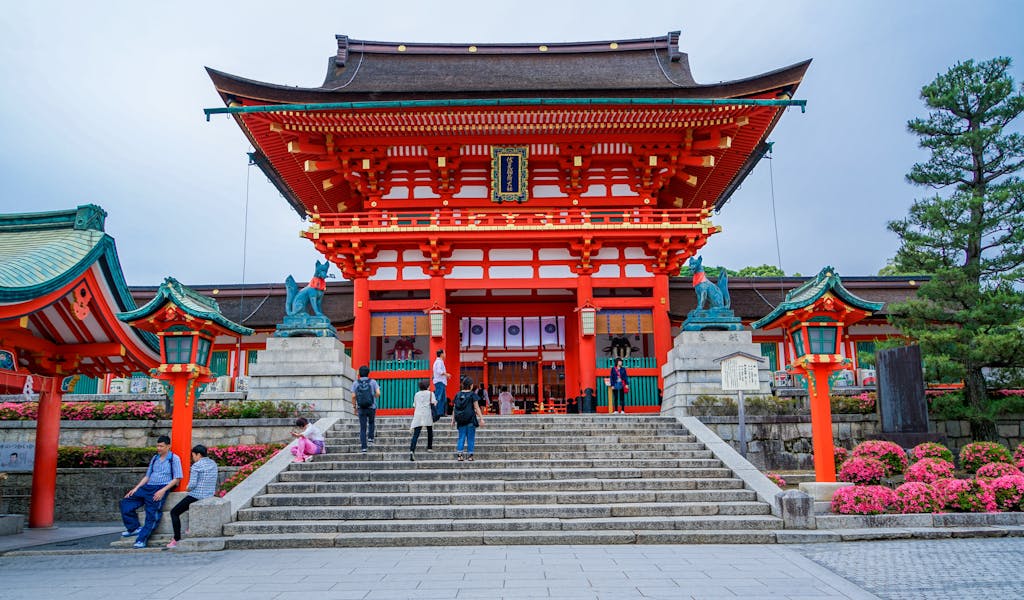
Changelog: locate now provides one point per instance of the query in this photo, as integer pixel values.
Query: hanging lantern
(588, 319)
(436, 314)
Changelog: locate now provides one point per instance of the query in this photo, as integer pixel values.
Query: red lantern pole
(821, 423)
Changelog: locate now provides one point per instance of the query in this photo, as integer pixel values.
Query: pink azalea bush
(237, 456)
(150, 411)
(863, 500)
(994, 470)
(931, 450)
(240, 475)
(862, 471)
(976, 454)
(891, 455)
(1018, 456)
(966, 495)
(776, 479)
(841, 455)
(929, 470)
(18, 411)
(1007, 491)
(916, 497)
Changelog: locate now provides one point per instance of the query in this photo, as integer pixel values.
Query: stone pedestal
(691, 370)
(304, 369)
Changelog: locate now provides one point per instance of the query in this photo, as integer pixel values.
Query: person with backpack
(423, 404)
(162, 475)
(467, 417)
(365, 392)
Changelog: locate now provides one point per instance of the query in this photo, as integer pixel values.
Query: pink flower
(974, 455)
(862, 471)
(915, 497)
(891, 455)
(1006, 491)
(931, 450)
(776, 479)
(967, 495)
(863, 500)
(929, 470)
(994, 470)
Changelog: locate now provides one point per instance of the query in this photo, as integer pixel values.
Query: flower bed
(861, 404)
(113, 456)
(862, 471)
(996, 470)
(931, 450)
(776, 479)
(150, 411)
(916, 497)
(863, 500)
(240, 475)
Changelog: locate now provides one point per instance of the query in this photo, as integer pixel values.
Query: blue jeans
(367, 420)
(467, 438)
(143, 496)
(442, 400)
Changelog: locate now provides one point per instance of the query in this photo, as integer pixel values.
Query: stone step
(504, 498)
(370, 460)
(498, 485)
(733, 522)
(502, 538)
(491, 511)
(377, 453)
(422, 471)
(351, 446)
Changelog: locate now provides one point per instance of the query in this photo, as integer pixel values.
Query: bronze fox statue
(297, 300)
(715, 295)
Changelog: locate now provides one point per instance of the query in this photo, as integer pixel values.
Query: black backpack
(364, 393)
(463, 410)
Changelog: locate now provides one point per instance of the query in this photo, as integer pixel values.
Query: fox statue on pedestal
(716, 296)
(297, 300)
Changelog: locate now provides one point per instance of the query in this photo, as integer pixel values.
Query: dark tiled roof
(649, 67)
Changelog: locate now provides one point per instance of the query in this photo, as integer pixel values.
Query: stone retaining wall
(82, 494)
(139, 434)
(783, 442)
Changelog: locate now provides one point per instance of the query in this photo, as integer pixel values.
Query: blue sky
(102, 102)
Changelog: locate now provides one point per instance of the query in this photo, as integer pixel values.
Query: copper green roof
(188, 300)
(43, 252)
(811, 290)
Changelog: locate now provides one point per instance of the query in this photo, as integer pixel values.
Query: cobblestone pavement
(491, 572)
(933, 569)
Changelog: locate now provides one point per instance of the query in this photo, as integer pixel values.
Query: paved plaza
(967, 568)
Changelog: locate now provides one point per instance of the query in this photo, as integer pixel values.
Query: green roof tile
(811, 290)
(189, 300)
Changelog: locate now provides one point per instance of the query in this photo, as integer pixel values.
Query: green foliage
(771, 405)
(117, 456)
(713, 272)
(761, 271)
(715, 406)
(968, 315)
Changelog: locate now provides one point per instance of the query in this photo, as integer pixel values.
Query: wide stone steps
(491, 511)
(498, 485)
(378, 461)
(702, 522)
(422, 471)
(534, 480)
(556, 497)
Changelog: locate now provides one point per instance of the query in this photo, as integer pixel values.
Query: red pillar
(662, 325)
(572, 362)
(181, 423)
(821, 425)
(44, 473)
(587, 343)
(438, 297)
(452, 354)
(361, 324)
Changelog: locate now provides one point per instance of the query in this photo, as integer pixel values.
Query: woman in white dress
(423, 409)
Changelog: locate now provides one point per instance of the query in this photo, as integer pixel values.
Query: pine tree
(970, 235)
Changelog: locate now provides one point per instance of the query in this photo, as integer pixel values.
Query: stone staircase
(584, 479)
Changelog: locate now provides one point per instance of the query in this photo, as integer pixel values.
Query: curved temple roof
(370, 70)
(810, 291)
(190, 301)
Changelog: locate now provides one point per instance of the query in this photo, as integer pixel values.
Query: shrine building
(522, 206)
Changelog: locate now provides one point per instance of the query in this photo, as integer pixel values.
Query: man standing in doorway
(441, 376)
(365, 392)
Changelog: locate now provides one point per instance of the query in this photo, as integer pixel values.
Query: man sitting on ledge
(162, 476)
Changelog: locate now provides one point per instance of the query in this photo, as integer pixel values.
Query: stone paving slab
(566, 572)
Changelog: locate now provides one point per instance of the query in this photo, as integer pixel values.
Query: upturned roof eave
(167, 294)
(232, 87)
